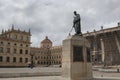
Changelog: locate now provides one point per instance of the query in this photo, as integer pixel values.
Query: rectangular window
(1, 58)
(15, 37)
(21, 44)
(1, 43)
(1, 49)
(14, 59)
(8, 50)
(15, 44)
(26, 51)
(26, 45)
(21, 37)
(7, 59)
(15, 50)
(27, 38)
(20, 60)
(26, 60)
(21, 51)
(78, 53)
(8, 44)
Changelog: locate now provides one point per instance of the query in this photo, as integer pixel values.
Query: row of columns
(102, 44)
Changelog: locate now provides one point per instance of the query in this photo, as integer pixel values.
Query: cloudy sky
(54, 18)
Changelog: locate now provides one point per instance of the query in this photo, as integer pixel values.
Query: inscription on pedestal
(77, 53)
(88, 55)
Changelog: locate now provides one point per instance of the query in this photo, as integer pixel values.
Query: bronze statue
(76, 23)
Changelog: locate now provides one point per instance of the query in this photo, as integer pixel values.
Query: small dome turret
(46, 43)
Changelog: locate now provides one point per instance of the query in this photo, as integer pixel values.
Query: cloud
(55, 17)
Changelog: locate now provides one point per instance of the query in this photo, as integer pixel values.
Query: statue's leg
(78, 28)
(75, 29)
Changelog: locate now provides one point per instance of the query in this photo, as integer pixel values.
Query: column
(117, 42)
(102, 50)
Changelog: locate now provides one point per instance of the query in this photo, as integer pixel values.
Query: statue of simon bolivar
(77, 23)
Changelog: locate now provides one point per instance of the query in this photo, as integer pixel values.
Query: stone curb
(12, 75)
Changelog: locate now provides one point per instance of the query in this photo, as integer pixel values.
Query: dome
(46, 43)
(46, 40)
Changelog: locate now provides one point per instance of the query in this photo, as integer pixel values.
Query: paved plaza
(39, 70)
(30, 70)
(35, 78)
(56, 78)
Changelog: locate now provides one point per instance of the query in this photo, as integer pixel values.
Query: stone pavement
(27, 72)
(35, 78)
(52, 78)
(48, 73)
(105, 74)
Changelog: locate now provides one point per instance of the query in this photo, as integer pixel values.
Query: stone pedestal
(76, 63)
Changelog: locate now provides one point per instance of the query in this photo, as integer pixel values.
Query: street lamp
(48, 57)
(32, 63)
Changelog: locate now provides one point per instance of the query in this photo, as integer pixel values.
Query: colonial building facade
(14, 48)
(105, 45)
(46, 54)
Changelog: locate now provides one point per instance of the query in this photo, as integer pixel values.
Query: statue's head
(75, 12)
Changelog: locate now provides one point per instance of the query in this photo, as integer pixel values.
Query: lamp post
(32, 62)
(49, 54)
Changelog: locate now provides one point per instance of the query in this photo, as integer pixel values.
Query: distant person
(118, 70)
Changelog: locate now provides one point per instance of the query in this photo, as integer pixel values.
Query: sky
(54, 18)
